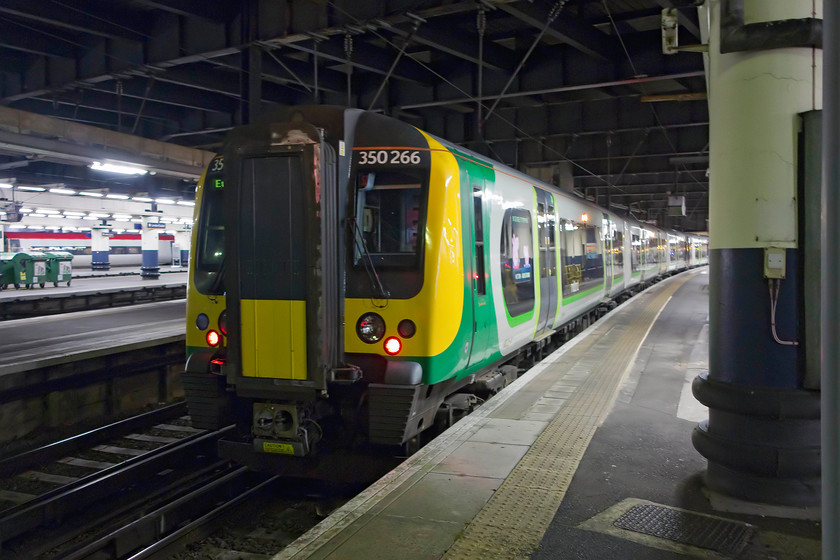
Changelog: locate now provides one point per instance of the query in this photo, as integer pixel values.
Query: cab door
(482, 308)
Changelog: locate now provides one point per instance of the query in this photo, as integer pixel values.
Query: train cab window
(210, 239)
(517, 261)
(390, 214)
(581, 257)
(478, 226)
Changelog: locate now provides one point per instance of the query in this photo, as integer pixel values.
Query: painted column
(182, 243)
(762, 436)
(100, 248)
(149, 246)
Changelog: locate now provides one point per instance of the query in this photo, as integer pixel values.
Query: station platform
(588, 455)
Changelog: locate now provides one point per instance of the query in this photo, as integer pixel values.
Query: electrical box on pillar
(774, 262)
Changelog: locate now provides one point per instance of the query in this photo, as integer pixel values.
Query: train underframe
(349, 432)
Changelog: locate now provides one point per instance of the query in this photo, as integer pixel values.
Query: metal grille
(721, 535)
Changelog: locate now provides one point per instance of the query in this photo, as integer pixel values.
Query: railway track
(55, 496)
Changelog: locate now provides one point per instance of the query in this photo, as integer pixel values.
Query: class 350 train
(354, 280)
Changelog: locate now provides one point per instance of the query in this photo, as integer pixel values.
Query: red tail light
(393, 346)
(213, 338)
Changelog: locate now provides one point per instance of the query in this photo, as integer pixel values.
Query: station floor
(586, 456)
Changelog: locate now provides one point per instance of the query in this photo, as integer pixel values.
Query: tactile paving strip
(721, 535)
(513, 522)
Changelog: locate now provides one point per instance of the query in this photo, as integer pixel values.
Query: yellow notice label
(283, 448)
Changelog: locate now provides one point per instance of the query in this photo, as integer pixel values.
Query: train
(355, 281)
(125, 248)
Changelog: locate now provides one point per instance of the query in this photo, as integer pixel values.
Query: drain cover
(717, 534)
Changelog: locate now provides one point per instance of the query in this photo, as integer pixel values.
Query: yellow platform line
(514, 520)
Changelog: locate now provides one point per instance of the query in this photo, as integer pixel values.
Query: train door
(482, 308)
(548, 259)
(282, 293)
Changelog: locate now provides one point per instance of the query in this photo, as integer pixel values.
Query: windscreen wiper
(361, 246)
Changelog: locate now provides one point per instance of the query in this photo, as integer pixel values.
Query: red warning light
(393, 346)
(213, 338)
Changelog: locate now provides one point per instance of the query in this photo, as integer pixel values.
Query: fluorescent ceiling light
(186, 203)
(164, 201)
(47, 211)
(122, 216)
(33, 189)
(25, 210)
(37, 215)
(63, 191)
(90, 193)
(97, 215)
(72, 213)
(6, 186)
(124, 169)
(142, 199)
(90, 218)
(118, 196)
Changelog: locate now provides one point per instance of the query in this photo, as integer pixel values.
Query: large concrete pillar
(100, 248)
(762, 438)
(149, 246)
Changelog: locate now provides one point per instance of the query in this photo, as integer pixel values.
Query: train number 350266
(395, 157)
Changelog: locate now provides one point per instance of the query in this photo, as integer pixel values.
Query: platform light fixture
(164, 201)
(186, 203)
(113, 168)
(118, 196)
(92, 194)
(73, 213)
(32, 189)
(47, 211)
(142, 199)
(62, 191)
(6, 186)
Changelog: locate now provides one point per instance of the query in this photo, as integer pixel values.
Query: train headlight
(202, 321)
(213, 338)
(223, 322)
(407, 328)
(393, 346)
(370, 327)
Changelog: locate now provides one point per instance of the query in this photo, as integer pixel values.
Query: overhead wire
(471, 97)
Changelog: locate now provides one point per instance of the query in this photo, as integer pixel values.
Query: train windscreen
(389, 230)
(210, 238)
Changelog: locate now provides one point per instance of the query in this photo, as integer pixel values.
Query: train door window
(517, 261)
(582, 261)
(618, 249)
(551, 233)
(635, 249)
(542, 238)
(478, 221)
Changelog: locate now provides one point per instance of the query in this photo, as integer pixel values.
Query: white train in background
(124, 247)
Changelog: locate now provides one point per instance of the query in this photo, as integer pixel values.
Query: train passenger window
(517, 262)
(581, 257)
(388, 213)
(210, 241)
